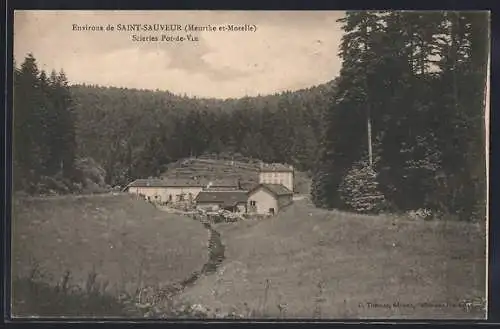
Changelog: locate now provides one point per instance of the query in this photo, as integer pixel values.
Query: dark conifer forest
(406, 127)
(401, 127)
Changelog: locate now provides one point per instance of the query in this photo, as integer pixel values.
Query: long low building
(234, 201)
(175, 189)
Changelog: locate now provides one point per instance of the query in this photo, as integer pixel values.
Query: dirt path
(216, 256)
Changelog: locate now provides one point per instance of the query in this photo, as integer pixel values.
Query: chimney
(209, 184)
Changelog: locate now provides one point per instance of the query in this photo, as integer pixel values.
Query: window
(170, 197)
(253, 203)
(271, 211)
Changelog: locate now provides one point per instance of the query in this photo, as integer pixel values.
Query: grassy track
(334, 265)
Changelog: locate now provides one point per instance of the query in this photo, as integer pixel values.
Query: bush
(359, 190)
(91, 170)
(51, 185)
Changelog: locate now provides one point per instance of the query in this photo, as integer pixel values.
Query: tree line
(406, 129)
(137, 133)
(43, 127)
(117, 135)
(401, 127)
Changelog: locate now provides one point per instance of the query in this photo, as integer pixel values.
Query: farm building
(221, 185)
(175, 189)
(269, 198)
(273, 192)
(213, 200)
(276, 173)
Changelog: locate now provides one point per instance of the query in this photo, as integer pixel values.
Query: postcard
(252, 165)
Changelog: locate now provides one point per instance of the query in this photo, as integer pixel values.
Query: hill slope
(237, 167)
(133, 133)
(127, 242)
(328, 264)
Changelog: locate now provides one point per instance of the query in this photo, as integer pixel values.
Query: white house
(268, 199)
(276, 173)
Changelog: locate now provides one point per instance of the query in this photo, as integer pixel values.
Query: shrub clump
(359, 190)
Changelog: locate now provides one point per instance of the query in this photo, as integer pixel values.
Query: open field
(328, 264)
(125, 241)
(304, 263)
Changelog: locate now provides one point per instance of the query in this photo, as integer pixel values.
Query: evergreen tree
(44, 133)
(409, 76)
(27, 118)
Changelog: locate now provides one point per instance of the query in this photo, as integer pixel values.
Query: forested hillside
(402, 126)
(136, 133)
(407, 129)
(115, 135)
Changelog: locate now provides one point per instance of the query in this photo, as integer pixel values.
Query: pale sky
(288, 51)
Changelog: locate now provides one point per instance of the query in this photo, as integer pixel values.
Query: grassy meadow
(308, 262)
(304, 263)
(115, 243)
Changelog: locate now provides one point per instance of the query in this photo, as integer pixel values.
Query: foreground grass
(38, 298)
(33, 296)
(122, 243)
(308, 262)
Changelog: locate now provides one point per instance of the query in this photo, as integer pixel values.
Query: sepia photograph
(250, 165)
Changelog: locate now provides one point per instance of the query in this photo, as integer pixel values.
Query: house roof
(175, 182)
(275, 167)
(276, 189)
(147, 183)
(226, 198)
(222, 182)
(182, 182)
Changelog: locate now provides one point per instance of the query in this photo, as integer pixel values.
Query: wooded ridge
(402, 127)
